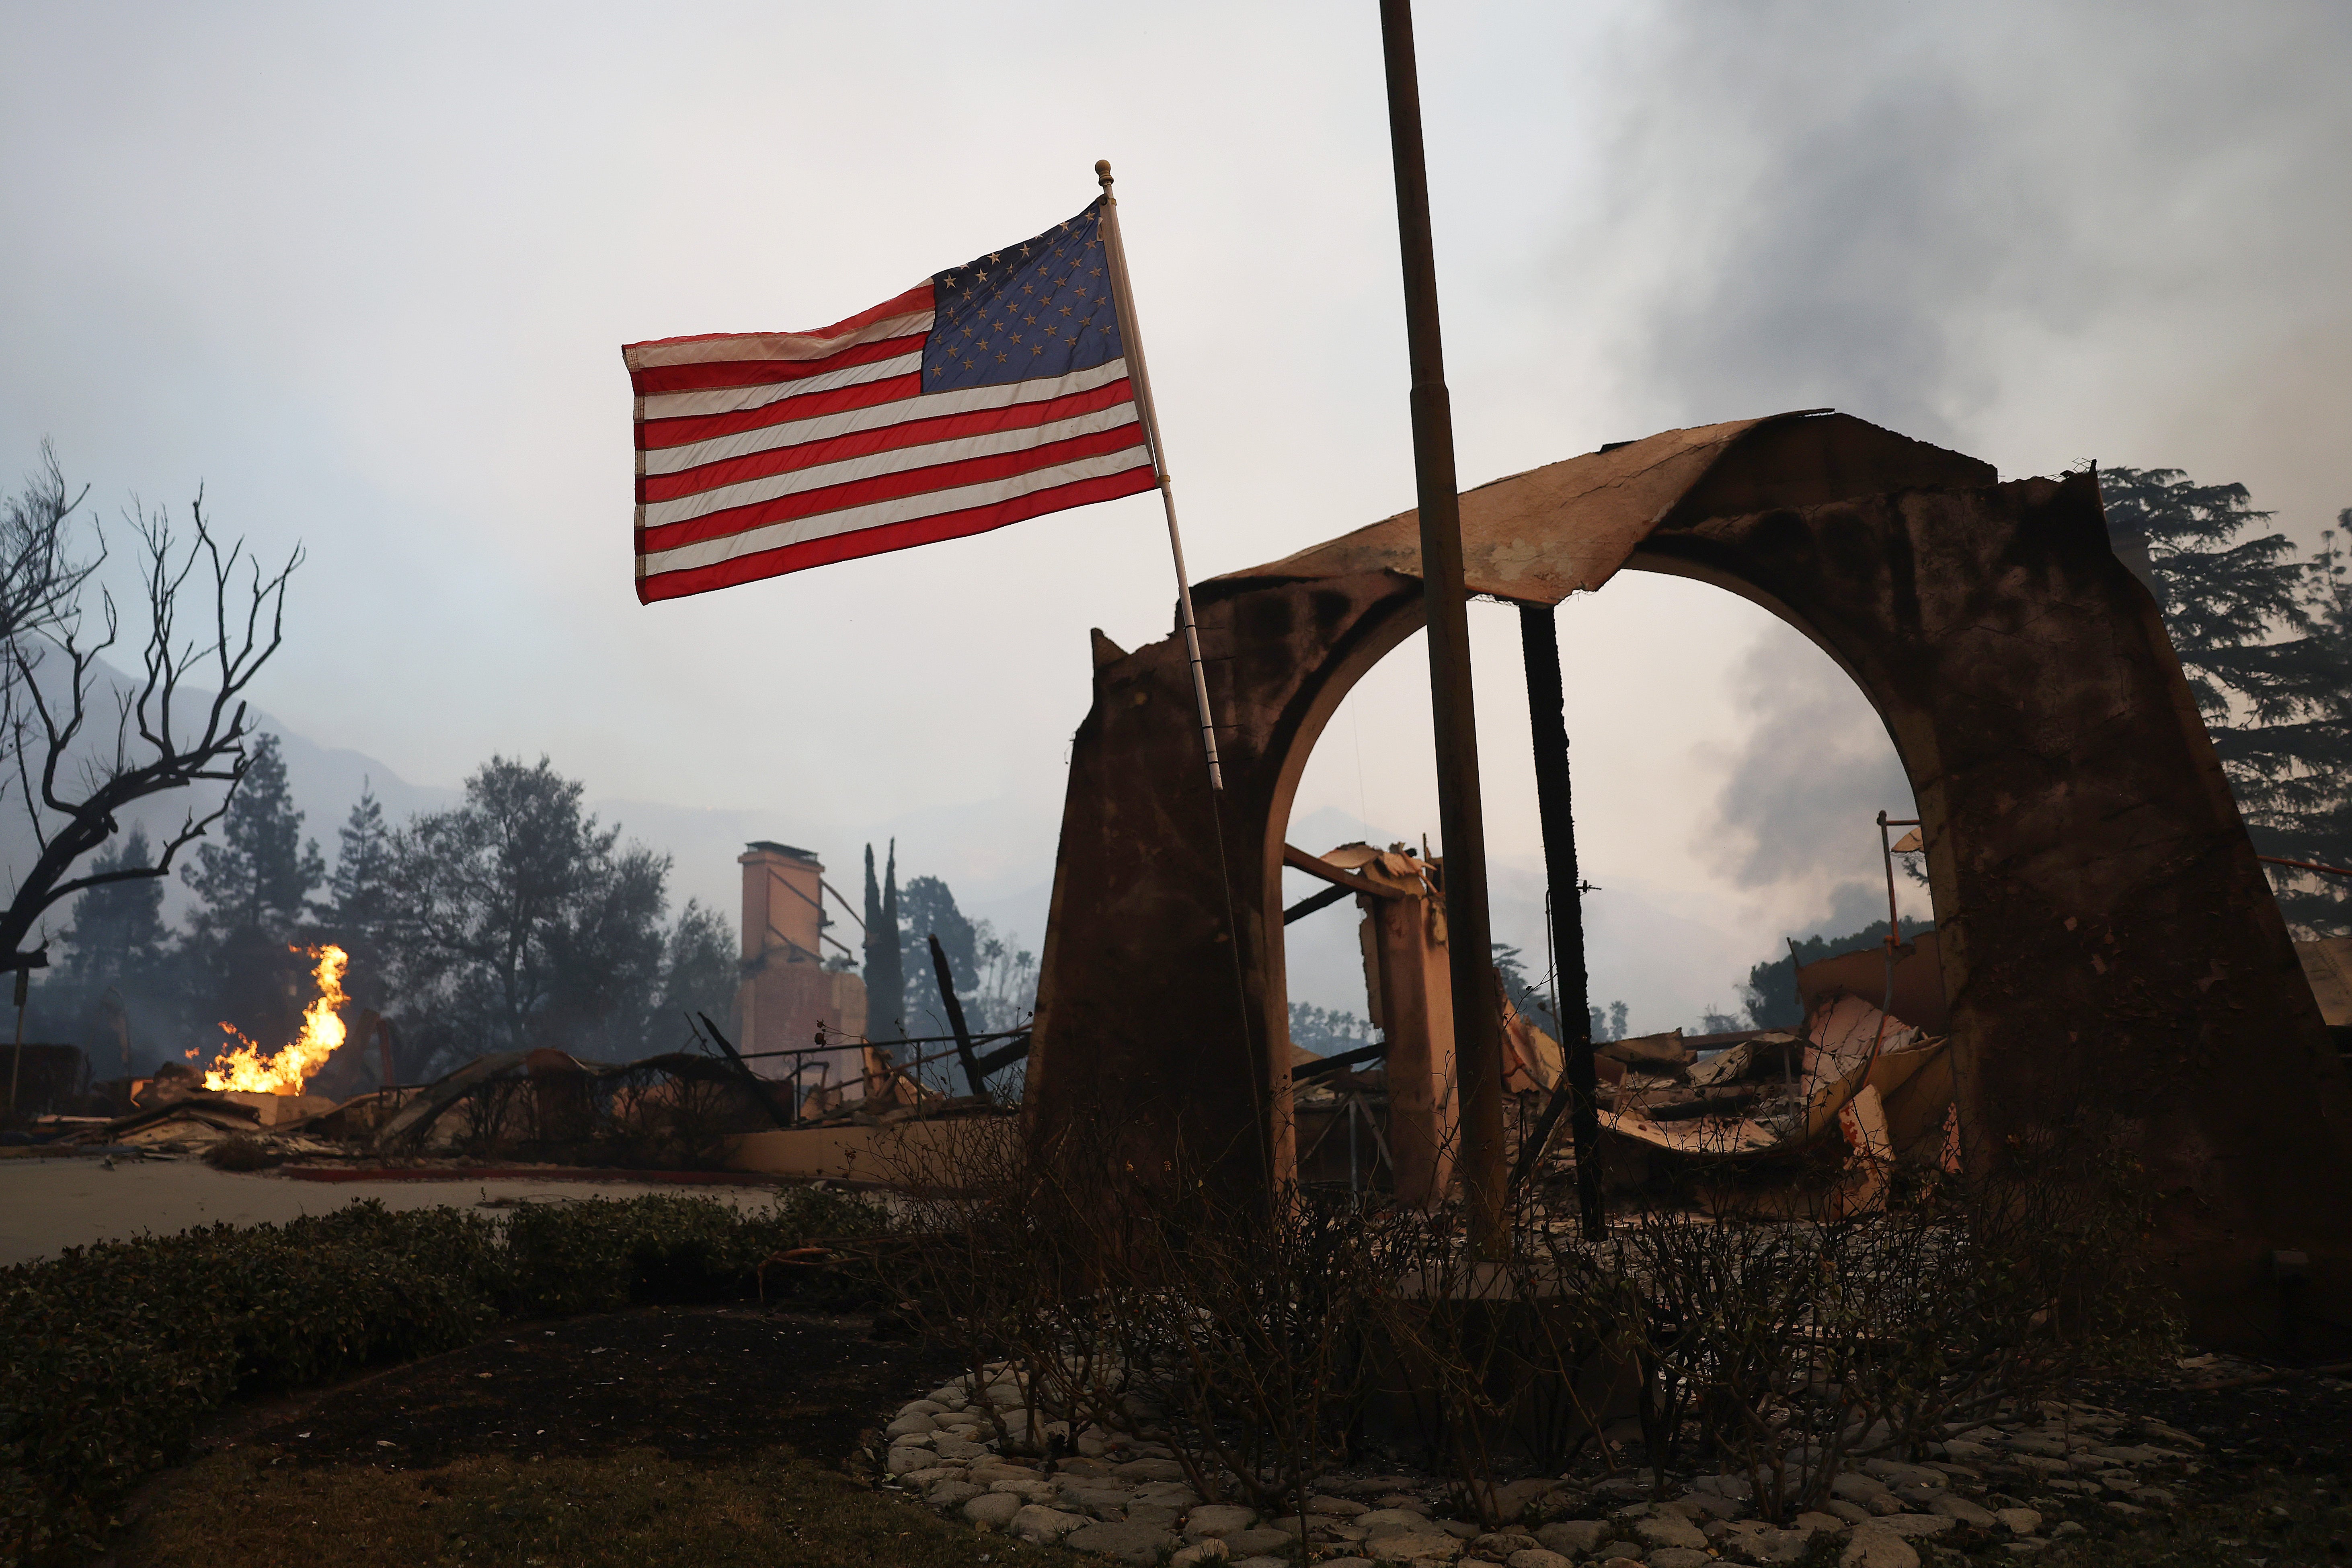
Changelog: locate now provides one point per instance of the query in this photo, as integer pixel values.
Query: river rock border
(2015, 1482)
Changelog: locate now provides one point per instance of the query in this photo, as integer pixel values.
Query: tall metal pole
(1257, 1071)
(1548, 721)
(1478, 1026)
(1123, 296)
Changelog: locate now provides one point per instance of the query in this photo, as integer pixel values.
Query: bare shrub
(1153, 1303)
(1785, 1348)
(1257, 1338)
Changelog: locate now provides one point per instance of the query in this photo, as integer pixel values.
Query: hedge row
(111, 1356)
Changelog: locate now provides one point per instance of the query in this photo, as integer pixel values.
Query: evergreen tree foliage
(1326, 1031)
(701, 965)
(1533, 1003)
(1770, 992)
(118, 930)
(517, 921)
(928, 907)
(885, 982)
(118, 956)
(2263, 638)
(254, 888)
(358, 894)
(359, 898)
(2307, 813)
(260, 879)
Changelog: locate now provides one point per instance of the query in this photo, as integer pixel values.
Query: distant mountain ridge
(998, 856)
(974, 846)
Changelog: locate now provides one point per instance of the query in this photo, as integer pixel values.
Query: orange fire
(285, 1073)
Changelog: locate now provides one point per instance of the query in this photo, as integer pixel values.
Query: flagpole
(1132, 342)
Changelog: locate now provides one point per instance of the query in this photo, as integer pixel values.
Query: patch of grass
(247, 1507)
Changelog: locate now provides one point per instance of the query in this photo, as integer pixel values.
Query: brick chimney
(787, 992)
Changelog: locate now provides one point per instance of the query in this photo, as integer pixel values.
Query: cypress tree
(885, 982)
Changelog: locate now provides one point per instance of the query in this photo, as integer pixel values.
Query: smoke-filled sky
(364, 272)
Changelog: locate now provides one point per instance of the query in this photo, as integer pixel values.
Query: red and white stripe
(764, 453)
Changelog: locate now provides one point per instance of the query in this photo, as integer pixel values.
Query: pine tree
(2310, 807)
(119, 970)
(930, 909)
(885, 980)
(357, 893)
(359, 897)
(118, 927)
(255, 888)
(261, 878)
(2260, 634)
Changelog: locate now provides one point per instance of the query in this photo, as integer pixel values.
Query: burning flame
(285, 1073)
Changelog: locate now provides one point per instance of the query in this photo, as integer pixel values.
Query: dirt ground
(2271, 1488)
(666, 1436)
(692, 1384)
(48, 1205)
(725, 1435)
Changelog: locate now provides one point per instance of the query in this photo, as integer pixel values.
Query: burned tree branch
(73, 799)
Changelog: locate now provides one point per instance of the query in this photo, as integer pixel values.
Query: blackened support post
(971, 1071)
(1477, 1022)
(752, 1082)
(1547, 713)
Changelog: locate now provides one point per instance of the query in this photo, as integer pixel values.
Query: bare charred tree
(73, 778)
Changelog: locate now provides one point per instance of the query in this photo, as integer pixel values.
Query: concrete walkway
(48, 1205)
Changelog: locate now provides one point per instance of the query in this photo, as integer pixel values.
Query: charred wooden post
(1408, 980)
(751, 1080)
(1547, 710)
(972, 1074)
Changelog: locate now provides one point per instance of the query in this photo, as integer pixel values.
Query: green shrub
(604, 1255)
(111, 1356)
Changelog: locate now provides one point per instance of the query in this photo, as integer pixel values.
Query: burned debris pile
(675, 1110)
(1860, 1087)
(1781, 1118)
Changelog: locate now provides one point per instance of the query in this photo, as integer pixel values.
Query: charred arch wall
(2113, 951)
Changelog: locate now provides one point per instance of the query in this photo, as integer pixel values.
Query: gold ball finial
(1102, 172)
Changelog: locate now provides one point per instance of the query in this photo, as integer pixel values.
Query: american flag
(992, 392)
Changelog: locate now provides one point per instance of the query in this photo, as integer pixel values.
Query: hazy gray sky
(365, 273)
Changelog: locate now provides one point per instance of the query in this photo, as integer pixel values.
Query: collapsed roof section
(1539, 536)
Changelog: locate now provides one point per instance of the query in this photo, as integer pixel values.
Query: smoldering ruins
(2108, 946)
(2106, 950)
(1830, 1282)
(1842, 1281)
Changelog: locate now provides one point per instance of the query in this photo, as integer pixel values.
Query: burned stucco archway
(2111, 946)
